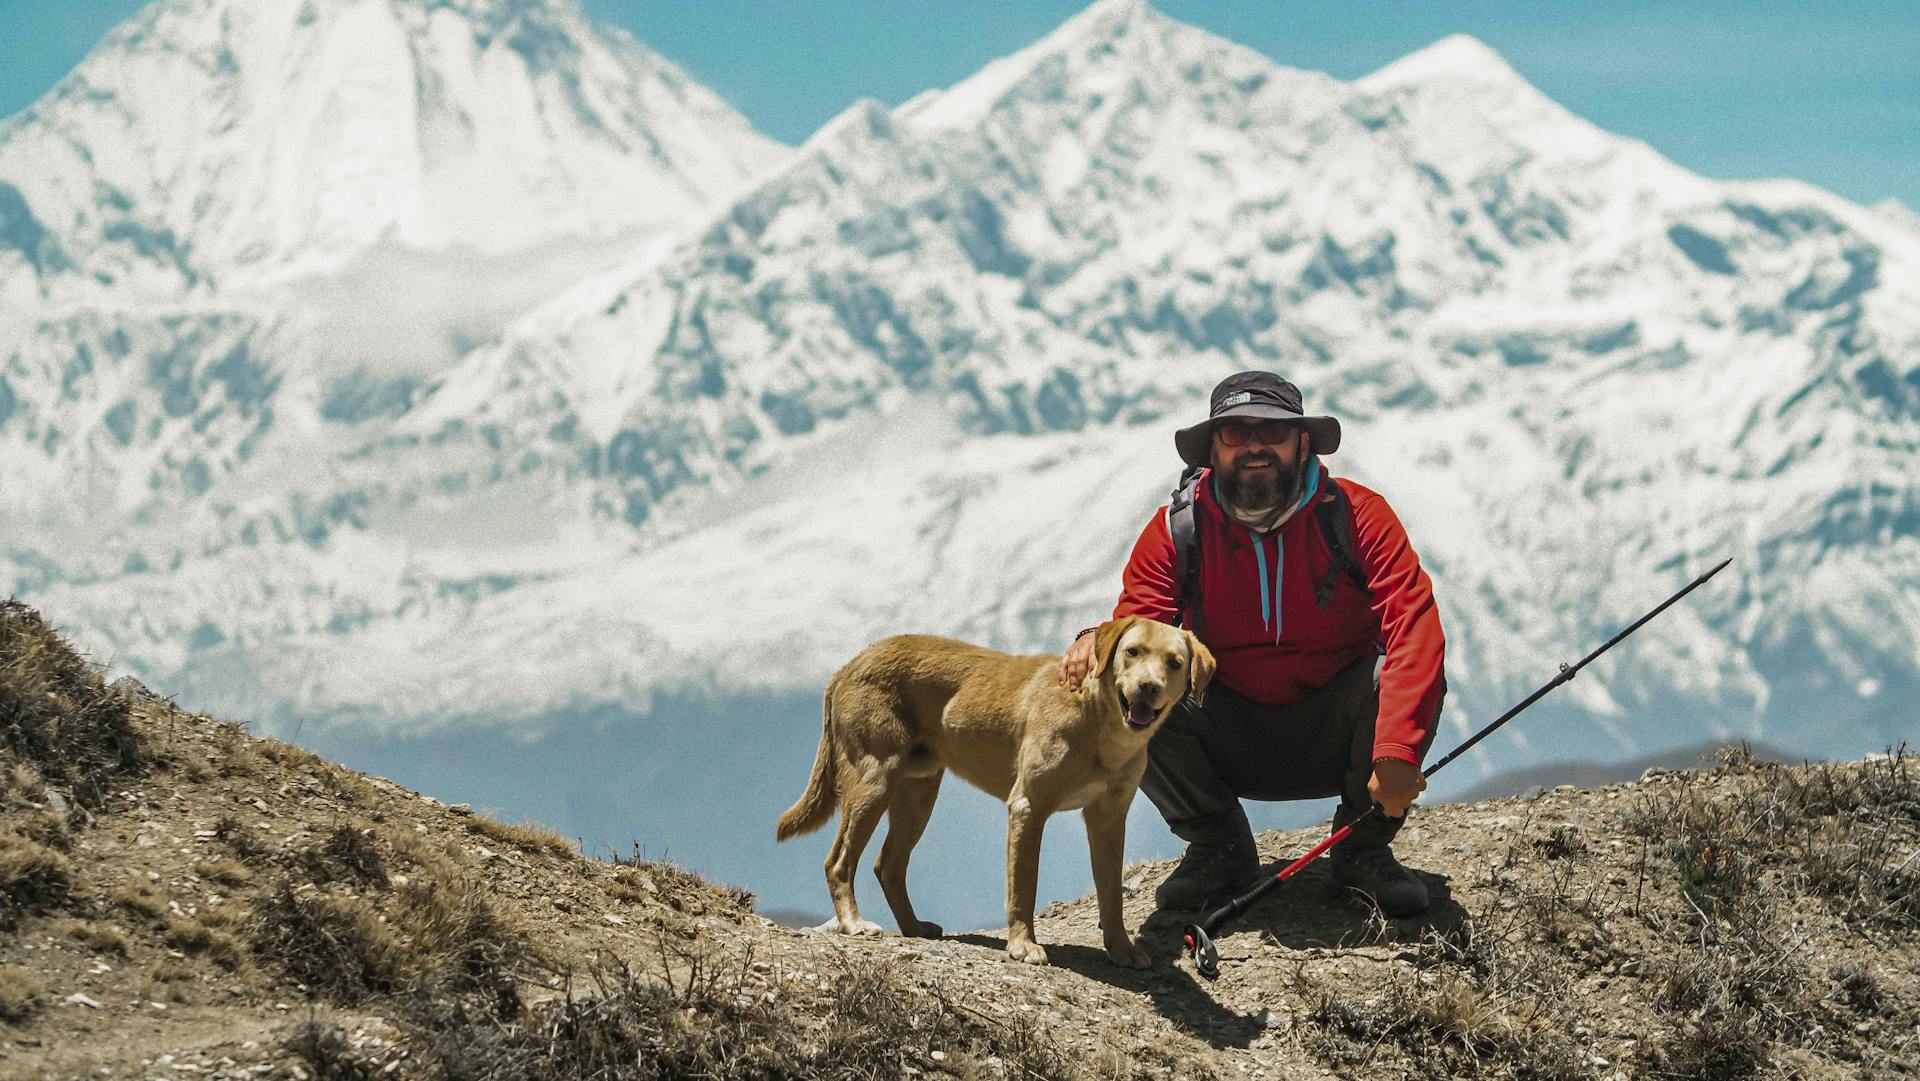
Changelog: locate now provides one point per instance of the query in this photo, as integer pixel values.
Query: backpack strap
(1335, 514)
(1184, 531)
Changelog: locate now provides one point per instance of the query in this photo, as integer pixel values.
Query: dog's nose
(1148, 691)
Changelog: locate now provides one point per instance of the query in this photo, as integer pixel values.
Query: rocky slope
(179, 898)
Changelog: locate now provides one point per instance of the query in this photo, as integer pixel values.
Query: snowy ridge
(237, 144)
(924, 374)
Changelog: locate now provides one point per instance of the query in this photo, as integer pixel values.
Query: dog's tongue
(1139, 713)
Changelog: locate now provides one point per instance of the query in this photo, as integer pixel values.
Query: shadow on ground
(1306, 912)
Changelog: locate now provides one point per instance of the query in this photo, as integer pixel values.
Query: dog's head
(1150, 666)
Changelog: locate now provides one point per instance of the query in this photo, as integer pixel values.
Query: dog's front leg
(1024, 825)
(1106, 820)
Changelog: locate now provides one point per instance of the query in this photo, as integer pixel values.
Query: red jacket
(1280, 661)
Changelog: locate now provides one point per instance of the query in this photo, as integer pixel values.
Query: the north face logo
(1232, 400)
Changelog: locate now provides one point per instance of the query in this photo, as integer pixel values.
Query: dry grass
(233, 833)
(1735, 864)
(721, 1019)
(531, 836)
(20, 785)
(33, 879)
(98, 937)
(349, 854)
(195, 938)
(436, 932)
(238, 758)
(142, 899)
(56, 713)
(21, 994)
(684, 891)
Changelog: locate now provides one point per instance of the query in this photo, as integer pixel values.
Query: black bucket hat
(1256, 396)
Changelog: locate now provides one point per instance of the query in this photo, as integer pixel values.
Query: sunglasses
(1271, 432)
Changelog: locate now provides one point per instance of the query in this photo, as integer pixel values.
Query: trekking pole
(1199, 935)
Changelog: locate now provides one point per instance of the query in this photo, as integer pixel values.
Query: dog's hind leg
(865, 787)
(906, 820)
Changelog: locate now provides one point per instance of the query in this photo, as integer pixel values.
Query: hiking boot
(1210, 874)
(1370, 869)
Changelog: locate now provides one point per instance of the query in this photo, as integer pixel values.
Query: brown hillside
(180, 899)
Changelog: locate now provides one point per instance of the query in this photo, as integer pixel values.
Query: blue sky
(1828, 93)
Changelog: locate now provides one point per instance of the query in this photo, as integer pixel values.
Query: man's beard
(1262, 492)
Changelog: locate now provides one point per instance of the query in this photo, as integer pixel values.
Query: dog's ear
(1105, 640)
(1199, 668)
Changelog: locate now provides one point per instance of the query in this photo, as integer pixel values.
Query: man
(1328, 643)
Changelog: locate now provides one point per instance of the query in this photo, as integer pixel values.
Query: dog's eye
(1134, 651)
(1173, 666)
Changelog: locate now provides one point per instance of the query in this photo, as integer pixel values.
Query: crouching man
(1327, 638)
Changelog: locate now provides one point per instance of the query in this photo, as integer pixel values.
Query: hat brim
(1194, 444)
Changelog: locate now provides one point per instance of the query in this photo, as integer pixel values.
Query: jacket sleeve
(1147, 587)
(1412, 678)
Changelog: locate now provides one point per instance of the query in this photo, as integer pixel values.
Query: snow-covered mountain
(235, 143)
(924, 376)
(245, 225)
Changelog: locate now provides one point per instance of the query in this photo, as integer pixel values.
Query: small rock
(77, 999)
(1533, 793)
(615, 919)
(132, 688)
(937, 1056)
(462, 809)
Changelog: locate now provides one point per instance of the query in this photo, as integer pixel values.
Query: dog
(908, 708)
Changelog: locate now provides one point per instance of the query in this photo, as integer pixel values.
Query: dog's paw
(1027, 952)
(921, 929)
(1128, 955)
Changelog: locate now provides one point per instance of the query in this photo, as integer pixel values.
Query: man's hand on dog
(1077, 662)
(1395, 785)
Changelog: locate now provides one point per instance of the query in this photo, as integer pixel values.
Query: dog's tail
(816, 804)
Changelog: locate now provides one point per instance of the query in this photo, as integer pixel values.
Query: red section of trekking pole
(1198, 936)
(1200, 944)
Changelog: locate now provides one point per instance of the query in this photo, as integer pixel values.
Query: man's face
(1258, 461)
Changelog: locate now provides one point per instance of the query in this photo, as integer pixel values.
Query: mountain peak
(1110, 41)
(1106, 19)
(1894, 210)
(1454, 57)
(285, 137)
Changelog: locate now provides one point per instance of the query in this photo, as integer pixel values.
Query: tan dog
(907, 709)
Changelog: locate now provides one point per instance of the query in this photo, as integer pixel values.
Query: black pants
(1205, 759)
